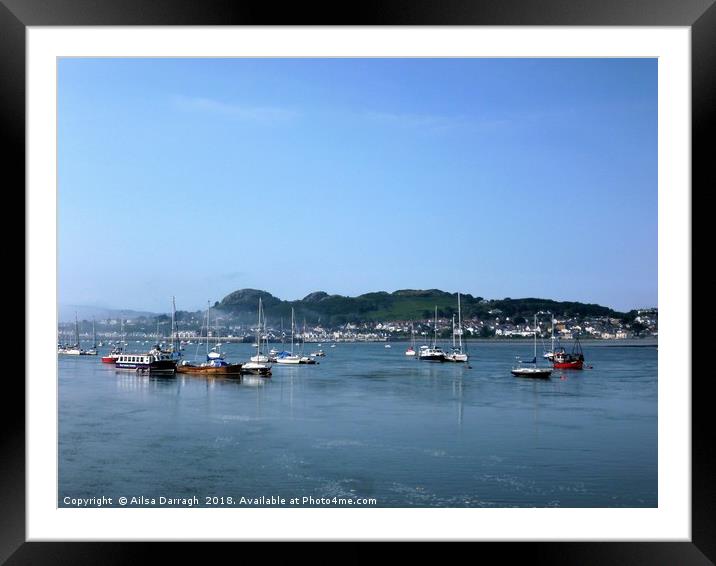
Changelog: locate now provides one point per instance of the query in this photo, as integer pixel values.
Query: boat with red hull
(568, 364)
(111, 358)
(118, 350)
(563, 360)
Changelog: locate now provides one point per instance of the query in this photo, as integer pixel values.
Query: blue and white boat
(154, 361)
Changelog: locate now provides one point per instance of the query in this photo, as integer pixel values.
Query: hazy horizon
(495, 177)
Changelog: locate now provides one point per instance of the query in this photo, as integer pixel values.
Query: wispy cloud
(263, 114)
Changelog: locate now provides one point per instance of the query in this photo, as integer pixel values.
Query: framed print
(356, 198)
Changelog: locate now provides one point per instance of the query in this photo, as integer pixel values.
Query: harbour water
(367, 422)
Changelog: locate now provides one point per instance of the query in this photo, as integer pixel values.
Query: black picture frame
(699, 15)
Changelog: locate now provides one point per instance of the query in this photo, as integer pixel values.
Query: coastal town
(642, 324)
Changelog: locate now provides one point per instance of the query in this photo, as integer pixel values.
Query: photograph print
(357, 282)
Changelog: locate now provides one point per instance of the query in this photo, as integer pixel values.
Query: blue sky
(495, 177)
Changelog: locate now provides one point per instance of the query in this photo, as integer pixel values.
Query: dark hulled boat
(154, 361)
(534, 371)
(212, 367)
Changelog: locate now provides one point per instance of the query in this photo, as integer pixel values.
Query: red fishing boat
(564, 360)
(112, 356)
(118, 350)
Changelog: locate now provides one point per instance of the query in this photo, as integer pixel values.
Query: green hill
(405, 304)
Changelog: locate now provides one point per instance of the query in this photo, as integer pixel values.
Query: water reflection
(132, 381)
(411, 433)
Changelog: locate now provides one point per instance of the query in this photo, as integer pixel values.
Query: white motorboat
(432, 353)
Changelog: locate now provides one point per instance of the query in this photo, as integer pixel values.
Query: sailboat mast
(453, 331)
(258, 332)
(535, 339)
(208, 309)
(216, 330)
(292, 331)
(303, 335)
(77, 330)
(459, 322)
(172, 329)
(94, 335)
(435, 330)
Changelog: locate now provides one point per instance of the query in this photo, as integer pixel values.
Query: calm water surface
(368, 422)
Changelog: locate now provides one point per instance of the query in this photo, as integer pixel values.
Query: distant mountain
(404, 304)
(67, 313)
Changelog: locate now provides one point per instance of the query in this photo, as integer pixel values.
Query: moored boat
(535, 371)
(258, 364)
(411, 349)
(153, 361)
(112, 356)
(117, 351)
(432, 353)
(456, 354)
(549, 354)
(256, 368)
(289, 358)
(215, 363)
(285, 357)
(73, 349)
(564, 360)
(93, 350)
(211, 367)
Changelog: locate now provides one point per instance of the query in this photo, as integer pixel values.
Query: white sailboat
(303, 358)
(411, 349)
(531, 371)
(93, 350)
(550, 354)
(432, 353)
(74, 349)
(258, 364)
(215, 353)
(457, 354)
(260, 357)
(285, 358)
